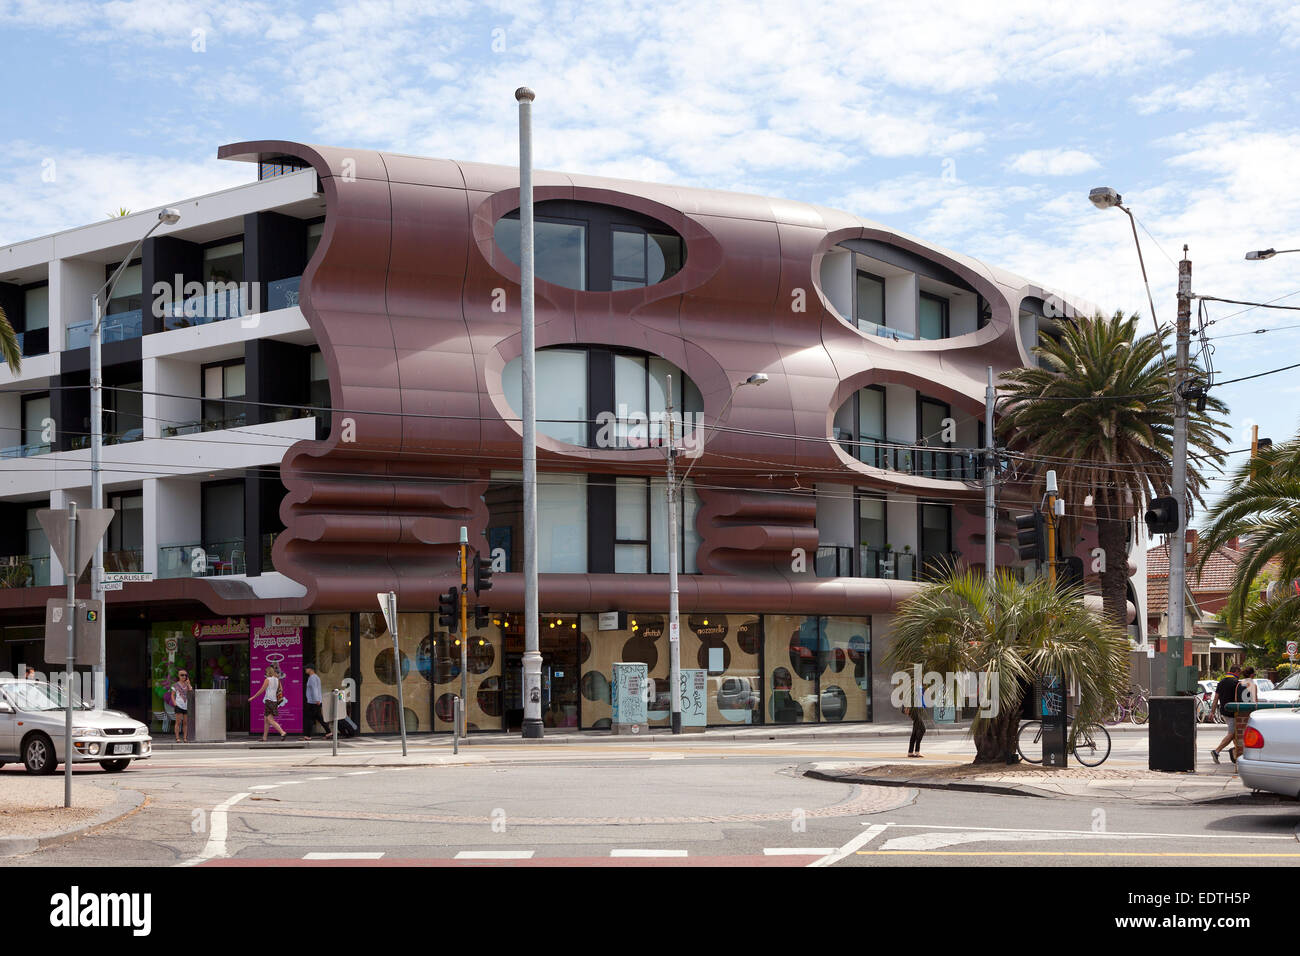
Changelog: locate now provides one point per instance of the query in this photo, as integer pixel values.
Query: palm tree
(1262, 507)
(9, 350)
(1014, 633)
(1100, 412)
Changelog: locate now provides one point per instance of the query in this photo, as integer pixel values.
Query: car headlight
(87, 732)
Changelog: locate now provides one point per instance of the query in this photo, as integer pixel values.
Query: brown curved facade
(400, 297)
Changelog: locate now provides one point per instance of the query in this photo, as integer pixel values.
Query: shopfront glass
(332, 650)
(381, 669)
(439, 662)
(818, 668)
(642, 640)
(563, 646)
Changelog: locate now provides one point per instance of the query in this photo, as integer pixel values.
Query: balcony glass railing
(118, 327)
(957, 464)
(25, 571)
(871, 328)
(268, 542)
(24, 451)
(198, 561)
(119, 562)
(836, 561)
(203, 309)
(282, 293)
(204, 425)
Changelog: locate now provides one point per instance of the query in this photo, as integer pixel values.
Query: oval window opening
(592, 247)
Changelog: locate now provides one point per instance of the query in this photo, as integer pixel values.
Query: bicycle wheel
(1029, 742)
(1217, 716)
(1092, 745)
(1140, 712)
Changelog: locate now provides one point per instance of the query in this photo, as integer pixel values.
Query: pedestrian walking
(312, 699)
(1225, 692)
(273, 689)
(918, 725)
(181, 705)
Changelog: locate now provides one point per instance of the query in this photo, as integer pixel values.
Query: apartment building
(312, 382)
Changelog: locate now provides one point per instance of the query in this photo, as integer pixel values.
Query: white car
(1271, 758)
(32, 724)
(1287, 692)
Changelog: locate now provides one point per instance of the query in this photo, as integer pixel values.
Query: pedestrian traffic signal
(449, 609)
(1162, 516)
(482, 615)
(1031, 536)
(482, 574)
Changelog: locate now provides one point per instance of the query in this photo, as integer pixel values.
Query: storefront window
(641, 640)
(818, 668)
(171, 650)
(439, 662)
(381, 670)
(332, 651)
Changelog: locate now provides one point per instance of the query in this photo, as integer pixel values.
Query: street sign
(86, 634)
(91, 525)
(388, 605)
(111, 586)
(1292, 649)
(122, 577)
(287, 620)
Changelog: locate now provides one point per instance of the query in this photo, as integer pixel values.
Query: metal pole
(532, 655)
(464, 621)
(397, 664)
(1178, 552)
(96, 486)
(1051, 538)
(990, 505)
(337, 704)
(674, 626)
(455, 725)
(71, 575)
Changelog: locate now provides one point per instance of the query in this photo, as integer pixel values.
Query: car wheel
(115, 766)
(38, 754)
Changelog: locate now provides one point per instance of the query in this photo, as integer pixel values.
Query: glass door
(223, 665)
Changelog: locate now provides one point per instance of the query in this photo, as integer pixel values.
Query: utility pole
(990, 506)
(532, 663)
(1050, 556)
(1178, 553)
(70, 572)
(464, 629)
(674, 623)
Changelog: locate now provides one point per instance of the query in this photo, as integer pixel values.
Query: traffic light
(449, 609)
(482, 574)
(1162, 516)
(482, 616)
(1031, 536)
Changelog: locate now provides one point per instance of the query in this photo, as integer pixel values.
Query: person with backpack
(273, 689)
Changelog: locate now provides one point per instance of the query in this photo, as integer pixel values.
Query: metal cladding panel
(417, 313)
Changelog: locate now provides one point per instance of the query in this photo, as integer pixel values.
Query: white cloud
(1218, 91)
(1052, 162)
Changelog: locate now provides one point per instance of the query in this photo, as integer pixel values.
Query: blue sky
(979, 126)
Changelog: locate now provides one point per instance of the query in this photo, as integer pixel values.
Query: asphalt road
(676, 803)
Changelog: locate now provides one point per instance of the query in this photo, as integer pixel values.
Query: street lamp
(166, 217)
(1259, 254)
(674, 624)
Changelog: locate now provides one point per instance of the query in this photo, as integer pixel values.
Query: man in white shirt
(313, 701)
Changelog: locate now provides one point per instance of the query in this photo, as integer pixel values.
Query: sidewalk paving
(1211, 784)
(32, 814)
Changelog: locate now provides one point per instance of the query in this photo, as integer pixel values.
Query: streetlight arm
(107, 288)
(712, 428)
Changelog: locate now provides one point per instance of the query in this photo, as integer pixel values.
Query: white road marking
(310, 779)
(936, 840)
(668, 756)
(343, 856)
(216, 845)
(1122, 833)
(649, 853)
(857, 843)
(359, 773)
(287, 783)
(265, 786)
(494, 855)
(796, 851)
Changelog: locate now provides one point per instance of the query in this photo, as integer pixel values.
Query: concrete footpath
(1212, 784)
(32, 814)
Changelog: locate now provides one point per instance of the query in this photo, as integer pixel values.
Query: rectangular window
(631, 525)
(37, 544)
(224, 263)
(223, 381)
(126, 293)
(35, 412)
(936, 534)
(222, 522)
(869, 304)
(124, 413)
(126, 532)
(36, 308)
(687, 508)
(314, 232)
(559, 248)
(319, 392)
(932, 317)
(562, 523)
(871, 427)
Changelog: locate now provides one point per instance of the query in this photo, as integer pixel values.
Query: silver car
(32, 723)
(1271, 758)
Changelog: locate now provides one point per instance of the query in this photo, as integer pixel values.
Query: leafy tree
(1099, 411)
(963, 623)
(1262, 508)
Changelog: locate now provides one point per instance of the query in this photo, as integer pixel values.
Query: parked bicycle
(1132, 706)
(1091, 743)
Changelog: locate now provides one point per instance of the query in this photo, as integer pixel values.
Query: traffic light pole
(464, 632)
(1178, 552)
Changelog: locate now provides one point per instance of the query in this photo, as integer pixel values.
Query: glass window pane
(630, 401)
(318, 371)
(126, 293)
(690, 537)
(931, 319)
(630, 254)
(665, 257)
(871, 300)
(871, 413)
(871, 523)
(630, 509)
(212, 382)
(561, 389)
(314, 233)
(559, 249)
(631, 559)
(234, 381)
(562, 523)
(224, 263)
(37, 308)
(35, 411)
